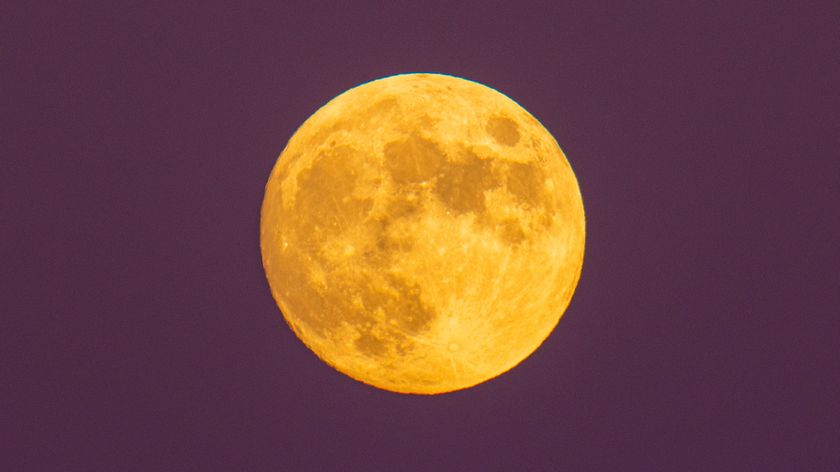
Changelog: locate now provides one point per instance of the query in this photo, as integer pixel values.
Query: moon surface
(422, 233)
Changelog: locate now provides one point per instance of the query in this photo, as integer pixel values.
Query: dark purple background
(138, 332)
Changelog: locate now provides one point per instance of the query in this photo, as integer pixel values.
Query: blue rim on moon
(422, 233)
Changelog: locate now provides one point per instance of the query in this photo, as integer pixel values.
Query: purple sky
(137, 331)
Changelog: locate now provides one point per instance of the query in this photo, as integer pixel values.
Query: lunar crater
(503, 130)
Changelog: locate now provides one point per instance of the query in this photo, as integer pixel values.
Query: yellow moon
(422, 233)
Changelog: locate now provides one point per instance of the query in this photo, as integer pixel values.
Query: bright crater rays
(422, 233)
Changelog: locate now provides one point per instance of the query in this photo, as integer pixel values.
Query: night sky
(138, 332)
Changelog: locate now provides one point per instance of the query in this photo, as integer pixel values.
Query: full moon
(422, 233)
